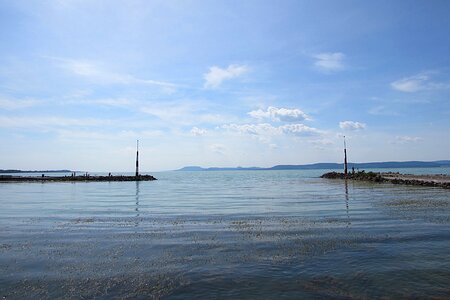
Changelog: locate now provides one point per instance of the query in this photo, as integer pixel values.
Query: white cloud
(351, 125)
(330, 62)
(419, 82)
(280, 114)
(198, 132)
(216, 75)
(95, 72)
(12, 104)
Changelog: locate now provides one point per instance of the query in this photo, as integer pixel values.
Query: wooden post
(137, 158)
(345, 158)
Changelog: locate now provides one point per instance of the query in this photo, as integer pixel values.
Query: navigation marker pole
(345, 158)
(137, 159)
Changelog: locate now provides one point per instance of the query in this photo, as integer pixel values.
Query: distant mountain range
(317, 166)
(34, 171)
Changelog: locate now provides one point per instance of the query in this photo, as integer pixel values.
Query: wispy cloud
(168, 112)
(96, 72)
(218, 148)
(382, 110)
(410, 84)
(76, 134)
(419, 82)
(181, 112)
(253, 129)
(53, 122)
(280, 114)
(329, 62)
(215, 76)
(321, 143)
(351, 125)
(195, 131)
(265, 129)
(13, 104)
(185, 112)
(115, 102)
(300, 129)
(407, 139)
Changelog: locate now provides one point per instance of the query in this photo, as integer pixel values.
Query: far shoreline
(14, 171)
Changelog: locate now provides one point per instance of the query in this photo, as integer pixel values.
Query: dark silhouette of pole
(345, 158)
(137, 158)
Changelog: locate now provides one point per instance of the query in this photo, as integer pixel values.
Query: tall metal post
(137, 158)
(345, 158)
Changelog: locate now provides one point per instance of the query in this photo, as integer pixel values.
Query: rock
(391, 177)
(77, 178)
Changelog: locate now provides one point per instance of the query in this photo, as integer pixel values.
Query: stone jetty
(440, 180)
(80, 178)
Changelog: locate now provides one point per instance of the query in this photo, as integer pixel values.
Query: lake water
(243, 234)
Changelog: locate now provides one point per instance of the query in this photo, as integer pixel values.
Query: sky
(222, 83)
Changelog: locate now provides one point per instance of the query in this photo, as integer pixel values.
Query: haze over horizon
(221, 83)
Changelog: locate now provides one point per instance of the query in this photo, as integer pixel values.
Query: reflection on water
(224, 235)
(137, 202)
(347, 201)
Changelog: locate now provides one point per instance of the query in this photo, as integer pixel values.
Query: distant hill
(191, 168)
(317, 166)
(34, 171)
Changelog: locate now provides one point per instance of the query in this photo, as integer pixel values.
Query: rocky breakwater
(441, 180)
(82, 178)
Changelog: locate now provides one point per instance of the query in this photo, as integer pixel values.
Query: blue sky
(222, 83)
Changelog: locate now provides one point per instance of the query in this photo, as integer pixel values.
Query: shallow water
(243, 234)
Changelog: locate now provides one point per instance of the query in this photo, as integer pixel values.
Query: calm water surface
(244, 234)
